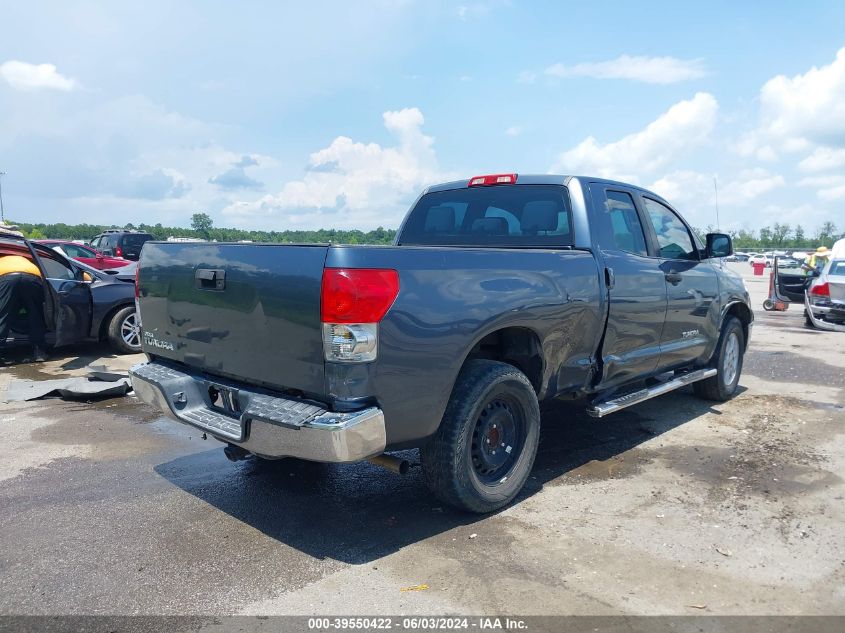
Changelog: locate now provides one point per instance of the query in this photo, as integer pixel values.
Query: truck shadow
(357, 513)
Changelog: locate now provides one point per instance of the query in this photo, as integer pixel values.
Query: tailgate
(247, 311)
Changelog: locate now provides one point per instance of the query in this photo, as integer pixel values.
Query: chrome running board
(601, 409)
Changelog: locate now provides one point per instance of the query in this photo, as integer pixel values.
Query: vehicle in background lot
(757, 259)
(788, 262)
(85, 254)
(740, 257)
(121, 243)
(499, 292)
(825, 299)
(82, 303)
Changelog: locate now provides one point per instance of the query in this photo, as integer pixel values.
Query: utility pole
(716, 190)
(2, 211)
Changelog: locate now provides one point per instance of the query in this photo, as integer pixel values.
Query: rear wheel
(484, 450)
(768, 305)
(728, 362)
(124, 332)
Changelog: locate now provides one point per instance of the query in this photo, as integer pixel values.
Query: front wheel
(483, 452)
(728, 361)
(124, 331)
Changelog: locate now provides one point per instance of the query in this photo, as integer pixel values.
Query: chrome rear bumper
(263, 424)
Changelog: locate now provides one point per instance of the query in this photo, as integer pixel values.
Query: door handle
(674, 278)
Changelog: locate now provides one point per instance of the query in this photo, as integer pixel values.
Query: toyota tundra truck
(499, 292)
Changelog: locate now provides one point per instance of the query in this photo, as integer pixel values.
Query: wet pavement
(675, 506)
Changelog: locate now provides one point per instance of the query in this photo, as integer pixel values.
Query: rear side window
(501, 215)
(626, 229)
(673, 238)
(837, 267)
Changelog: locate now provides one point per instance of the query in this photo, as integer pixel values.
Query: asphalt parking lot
(675, 506)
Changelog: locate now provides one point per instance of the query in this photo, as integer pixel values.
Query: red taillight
(357, 295)
(821, 290)
(137, 281)
(118, 251)
(492, 179)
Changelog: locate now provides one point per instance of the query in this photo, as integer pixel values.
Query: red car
(85, 254)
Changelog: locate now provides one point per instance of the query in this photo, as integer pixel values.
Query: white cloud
(822, 159)
(684, 125)
(514, 130)
(526, 77)
(372, 182)
(831, 193)
(694, 193)
(652, 70)
(801, 113)
(828, 188)
(749, 186)
(24, 76)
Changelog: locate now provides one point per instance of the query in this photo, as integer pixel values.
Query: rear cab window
(135, 241)
(497, 216)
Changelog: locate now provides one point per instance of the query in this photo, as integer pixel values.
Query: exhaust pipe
(235, 453)
(391, 463)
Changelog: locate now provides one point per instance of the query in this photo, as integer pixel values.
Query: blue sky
(307, 115)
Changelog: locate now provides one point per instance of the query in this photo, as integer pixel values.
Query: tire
(728, 361)
(768, 305)
(492, 403)
(124, 337)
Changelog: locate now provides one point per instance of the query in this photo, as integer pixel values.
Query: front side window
(626, 229)
(501, 215)
(673, 238)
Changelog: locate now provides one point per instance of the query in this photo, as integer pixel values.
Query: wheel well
(516, 346)
(104, 324)
(743, 313)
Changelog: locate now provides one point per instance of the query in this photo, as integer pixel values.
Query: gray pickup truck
(500, 291)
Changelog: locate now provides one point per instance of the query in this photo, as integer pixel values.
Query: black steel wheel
(484, 449)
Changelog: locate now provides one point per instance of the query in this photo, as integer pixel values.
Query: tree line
(202, 228)
(782, 236)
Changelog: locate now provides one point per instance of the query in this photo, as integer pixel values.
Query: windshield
(502, 215)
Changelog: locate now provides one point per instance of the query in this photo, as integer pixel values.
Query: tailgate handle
(210, 278)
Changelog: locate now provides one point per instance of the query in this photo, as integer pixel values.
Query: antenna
(716, 190)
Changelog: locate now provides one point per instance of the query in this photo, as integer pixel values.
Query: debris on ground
(99, 383)
(415, 588)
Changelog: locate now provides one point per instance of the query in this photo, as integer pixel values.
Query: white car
(826, 296)
(760, 259)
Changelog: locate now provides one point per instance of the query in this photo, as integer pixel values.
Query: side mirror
(100, 257)
(719, 245)
(86, 276)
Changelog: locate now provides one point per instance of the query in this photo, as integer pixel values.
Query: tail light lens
(821, 290)
(352, 302)
(118, 251)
